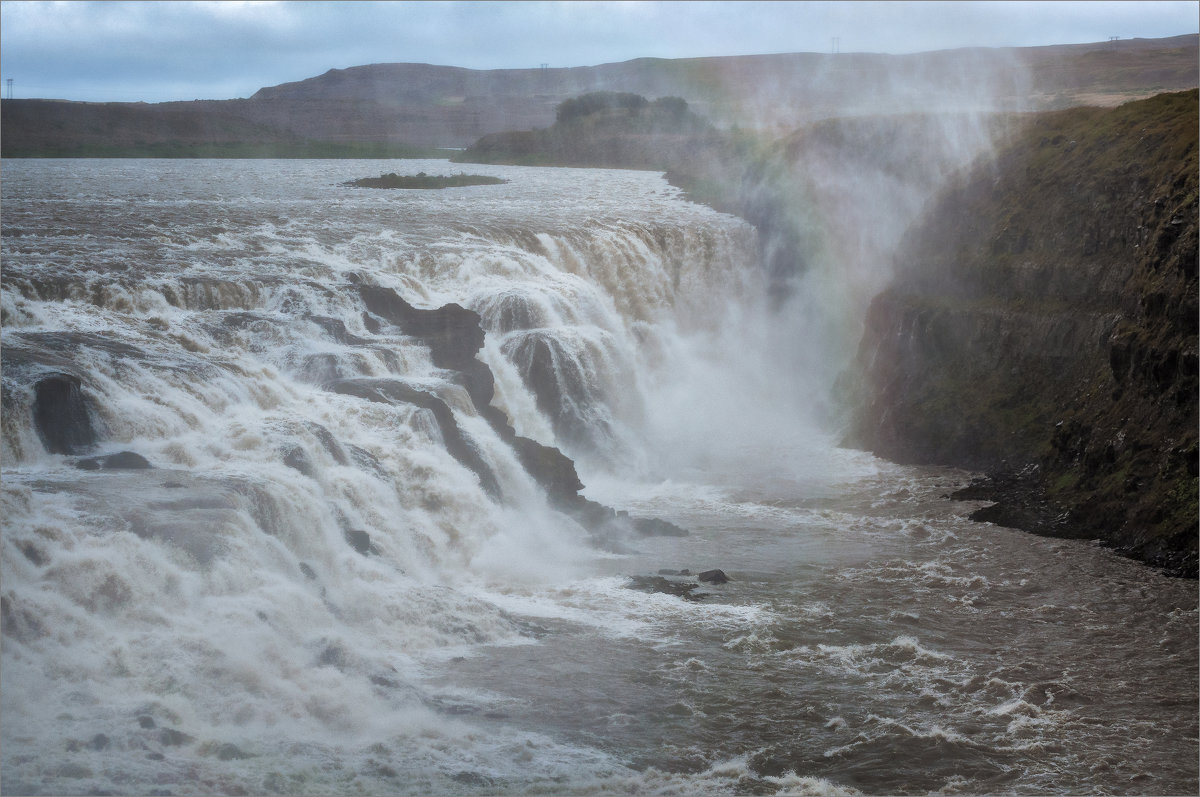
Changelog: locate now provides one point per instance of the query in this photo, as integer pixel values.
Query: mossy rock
(421, 180)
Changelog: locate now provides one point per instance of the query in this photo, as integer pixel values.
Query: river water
(205, 626)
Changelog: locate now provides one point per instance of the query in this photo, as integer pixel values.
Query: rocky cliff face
(1043, 325)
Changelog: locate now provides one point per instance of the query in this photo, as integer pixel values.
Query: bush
(596, 101)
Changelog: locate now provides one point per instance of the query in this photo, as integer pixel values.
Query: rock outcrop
(62, 415)
(1043, 326)
(454, 336)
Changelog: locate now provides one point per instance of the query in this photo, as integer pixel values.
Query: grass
(421, 180)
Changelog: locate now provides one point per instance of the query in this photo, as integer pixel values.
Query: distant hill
(398, 109)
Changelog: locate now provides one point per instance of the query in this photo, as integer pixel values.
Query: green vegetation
(423, 180)
(1044, 320)
(603, 129)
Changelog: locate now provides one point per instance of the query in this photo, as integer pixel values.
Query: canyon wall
(1042, 326)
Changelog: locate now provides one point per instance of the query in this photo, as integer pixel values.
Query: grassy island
(423, 180)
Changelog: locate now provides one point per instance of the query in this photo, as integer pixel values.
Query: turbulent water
(209, 625)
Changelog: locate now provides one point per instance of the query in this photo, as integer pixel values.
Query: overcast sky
(158, 51)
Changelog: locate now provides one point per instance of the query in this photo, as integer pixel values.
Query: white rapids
(207, 625)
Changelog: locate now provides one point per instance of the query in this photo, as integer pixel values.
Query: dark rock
(1074, 364)
(308, 572)
(452, 332)
(656, 527)
(124, 460)
(173, 738)
(360, 541)
(146, 721)
(472, 779)
(564, 389)
(389, 391)
(296, 458)
(61, 415)
(550, 468)
(327, 440)
(332, 656)
(336, 329)
(99, 742)
(713, 577)
(32, 553)
(230, 752)
(659, 584)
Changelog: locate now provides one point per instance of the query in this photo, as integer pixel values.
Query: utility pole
(9, 83)
(836, 44)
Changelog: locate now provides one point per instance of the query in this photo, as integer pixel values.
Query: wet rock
(62, 416)
(472, 779)
(360, 541)
(146, 721)
(297, 459)
(308, 572)
(656, 527)
(549, 467)
(336, 329)
(32, 553)
(230, 752)
(73, 771)
(679, 589)
(99, 742)
(124, 460)
(713, 577)
(390, 391)
(173, 738)
(558, 379)
(452, 332)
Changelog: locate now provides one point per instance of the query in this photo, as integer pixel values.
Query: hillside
(394, 109)
(602, 129)
(1043, 326)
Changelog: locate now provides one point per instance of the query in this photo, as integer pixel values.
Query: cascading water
(340, 574)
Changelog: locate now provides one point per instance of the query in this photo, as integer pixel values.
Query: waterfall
(274, 491)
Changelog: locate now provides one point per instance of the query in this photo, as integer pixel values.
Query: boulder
(61, 415)
(713, 577)
(360, 541)
(123, 460)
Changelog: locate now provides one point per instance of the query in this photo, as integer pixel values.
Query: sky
(159, 51)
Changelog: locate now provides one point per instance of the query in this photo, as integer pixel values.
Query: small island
(423, 180)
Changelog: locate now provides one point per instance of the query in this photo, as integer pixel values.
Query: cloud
(185, 50)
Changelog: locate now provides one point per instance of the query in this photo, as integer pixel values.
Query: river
(208, 625)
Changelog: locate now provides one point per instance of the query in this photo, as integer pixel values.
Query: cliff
(395, 110)
(1042, 325)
